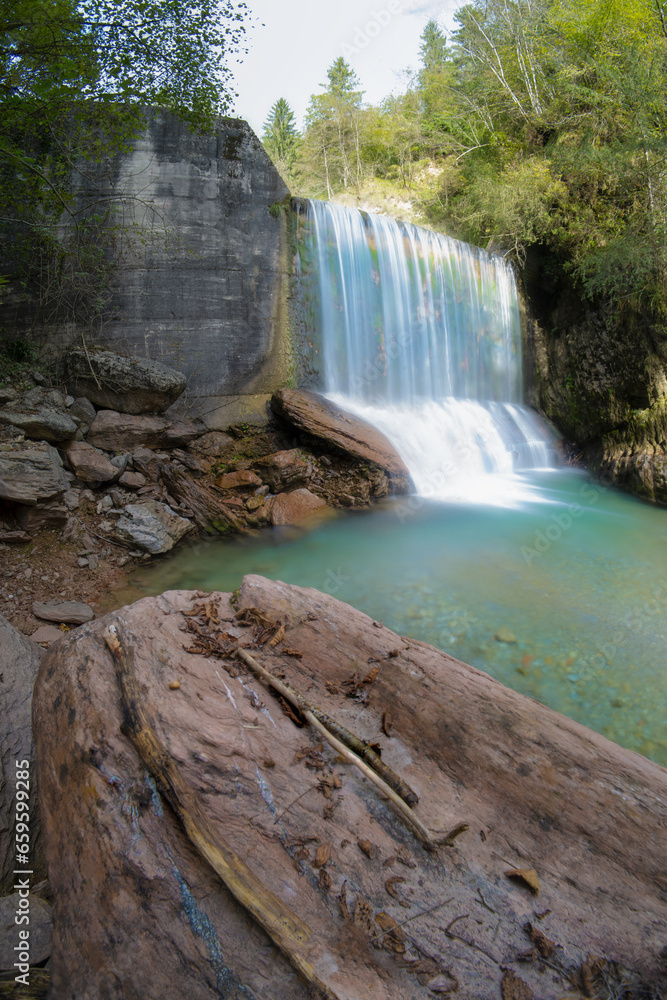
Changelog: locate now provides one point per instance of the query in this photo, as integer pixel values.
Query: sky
(291, 44)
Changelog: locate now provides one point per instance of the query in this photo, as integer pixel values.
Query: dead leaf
(291, 713)
(330, 807)
(324, 881)
(391, 883)
(513, 988)
(393, 653)
(363, 913)
(540, 940)
(292, 652)
(253, 616)
(269, 762)
(174, 685)
(394, 936)
(387, 723)
(405, 858)
(278, 637)
(332, 688)
(389, 862)
(527, 875)
(371, 676)
(322, 855)
(370, 850)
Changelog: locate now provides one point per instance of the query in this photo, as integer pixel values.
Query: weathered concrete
(201, 284)
(206, 292)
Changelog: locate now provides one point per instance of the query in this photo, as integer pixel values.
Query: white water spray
(421, 335)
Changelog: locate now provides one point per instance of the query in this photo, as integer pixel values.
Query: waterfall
(421, 335)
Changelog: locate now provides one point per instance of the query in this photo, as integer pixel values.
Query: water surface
(577, 577)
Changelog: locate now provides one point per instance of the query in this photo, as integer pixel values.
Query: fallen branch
(308, 711)
(283, 926)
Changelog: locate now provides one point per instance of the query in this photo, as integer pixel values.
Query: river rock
(290, 508)
(114, 431)
(64, 612)
(316, 415)
(91, 465)
(534, 790)
(116, 382)
(286, 469)
(46, 425)
(151, 526)
(212, 444)
(19, 663)
(243, 479)
(30, 474)
(40, 929)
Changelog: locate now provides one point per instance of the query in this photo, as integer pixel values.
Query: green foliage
(281, 139)
(74, 76)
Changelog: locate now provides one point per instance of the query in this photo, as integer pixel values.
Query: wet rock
(581, 812)
(131, 385)
(65, 612)
(46, 425)
(316, 415)
(286, 470)
(113, 431)
(30, 474)
(40, 929)
(238, 480)
(290, 508)
(504, 635)
(90, 464)
(150, 526)
(19, 663)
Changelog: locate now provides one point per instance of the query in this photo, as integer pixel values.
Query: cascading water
(421, 335)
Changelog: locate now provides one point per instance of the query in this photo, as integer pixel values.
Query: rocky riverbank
(88, 492)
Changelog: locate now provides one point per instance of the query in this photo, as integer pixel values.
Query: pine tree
(281, 136)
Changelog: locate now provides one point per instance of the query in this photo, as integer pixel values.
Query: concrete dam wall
(202, 275)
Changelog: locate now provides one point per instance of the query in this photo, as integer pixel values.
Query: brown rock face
(290, 508)
(113, 431)
(19, 663)
(316, 415)
(139, 914)
(287, 469)
(242, 479)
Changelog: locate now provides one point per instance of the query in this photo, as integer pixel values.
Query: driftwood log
(209, 512)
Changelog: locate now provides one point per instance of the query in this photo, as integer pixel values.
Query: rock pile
(123, 485)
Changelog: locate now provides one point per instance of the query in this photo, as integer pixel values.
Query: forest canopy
(538, 123)
(74, 76)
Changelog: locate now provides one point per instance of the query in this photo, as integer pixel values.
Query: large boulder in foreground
(19, 663)
(314, 414)
(138, 913)
(116, 382)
